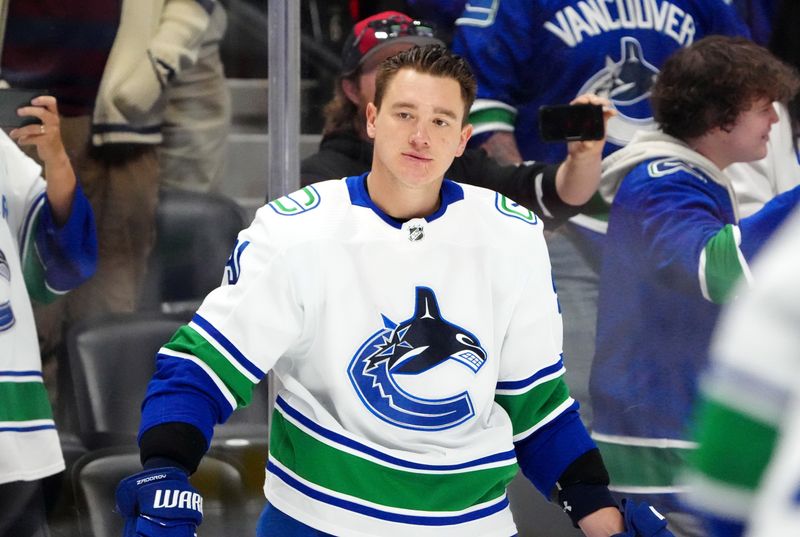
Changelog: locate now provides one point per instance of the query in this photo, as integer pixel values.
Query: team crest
(626, 83)
(6, 314)
(384, 368)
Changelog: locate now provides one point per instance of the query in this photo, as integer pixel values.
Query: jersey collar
(356, 185)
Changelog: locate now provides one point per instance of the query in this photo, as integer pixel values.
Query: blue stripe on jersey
(518, 384)
(228, 346)
(31, 429)
(358, 446)
(20, 373)
(372, 512)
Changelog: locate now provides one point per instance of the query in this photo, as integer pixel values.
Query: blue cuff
(545, 454)
(68, 253)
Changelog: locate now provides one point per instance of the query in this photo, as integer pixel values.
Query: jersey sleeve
(547, 433)
(58, 258)
(210, 366)
(496, 38)
(54, 258)
(752, 380)
(688, 227)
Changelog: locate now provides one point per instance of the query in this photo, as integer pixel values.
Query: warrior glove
(643, 520)
(159, 502)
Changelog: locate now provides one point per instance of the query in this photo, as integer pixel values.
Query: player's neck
(401, 201)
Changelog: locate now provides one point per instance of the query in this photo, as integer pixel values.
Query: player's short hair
(434, 60)
(711, 82)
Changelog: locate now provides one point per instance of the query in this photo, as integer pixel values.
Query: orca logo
(414, 347)
(626, 83)
(6, 314)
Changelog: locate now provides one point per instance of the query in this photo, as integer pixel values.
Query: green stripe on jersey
(24, 401)
(643, 466)
(723, 267)
(720, 458)
(189, 341)
(493, 115)
(328, 467)
(526, 410)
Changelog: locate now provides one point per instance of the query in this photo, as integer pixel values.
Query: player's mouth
(417, 157)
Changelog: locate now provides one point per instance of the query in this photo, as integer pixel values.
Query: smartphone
(13, 98)
(571, 122)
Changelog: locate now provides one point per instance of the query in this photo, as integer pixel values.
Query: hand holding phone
(12, 99)
(570, 123)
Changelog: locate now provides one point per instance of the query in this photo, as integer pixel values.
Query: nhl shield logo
(416, 233)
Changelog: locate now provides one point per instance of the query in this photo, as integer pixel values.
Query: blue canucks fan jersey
(675, 248)
(526, 54)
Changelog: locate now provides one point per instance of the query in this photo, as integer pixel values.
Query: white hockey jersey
(747, 468)
(29, 446)
(410, 357)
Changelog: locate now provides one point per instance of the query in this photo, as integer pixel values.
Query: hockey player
(676, 244)
(746, 470)
(47, 247)
(414, 328)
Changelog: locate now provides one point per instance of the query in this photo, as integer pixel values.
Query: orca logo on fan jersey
(626, 83)
(381, 369)
(6, 314)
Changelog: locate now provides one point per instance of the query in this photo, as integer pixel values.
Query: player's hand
(159, 502)
(642, 520)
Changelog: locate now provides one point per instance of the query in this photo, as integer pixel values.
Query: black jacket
(344, 154)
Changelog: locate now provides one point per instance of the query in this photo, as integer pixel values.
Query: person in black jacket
(555, 192)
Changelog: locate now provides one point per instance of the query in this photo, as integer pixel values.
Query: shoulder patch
(513, 209)
(297, 202)
(667, 166)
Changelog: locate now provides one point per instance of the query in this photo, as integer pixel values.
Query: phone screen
(567, 123)
(13, 98)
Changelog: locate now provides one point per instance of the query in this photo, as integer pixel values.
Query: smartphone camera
(569, 123)
(13, 98)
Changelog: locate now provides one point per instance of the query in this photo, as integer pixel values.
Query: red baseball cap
(376, 32)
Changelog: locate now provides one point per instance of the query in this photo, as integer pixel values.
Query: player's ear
(466, 133)
(372, 114)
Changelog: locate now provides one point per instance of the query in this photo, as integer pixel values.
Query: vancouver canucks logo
(297, 202)
(626, 83)
(385, 368)
(6, 315)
